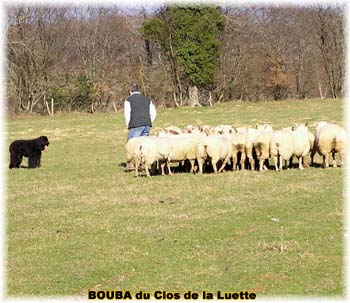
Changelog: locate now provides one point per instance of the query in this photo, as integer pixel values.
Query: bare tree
(32, 50)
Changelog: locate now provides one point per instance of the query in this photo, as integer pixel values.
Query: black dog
(28, 148)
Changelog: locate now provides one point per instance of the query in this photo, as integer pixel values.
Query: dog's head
(44, 143)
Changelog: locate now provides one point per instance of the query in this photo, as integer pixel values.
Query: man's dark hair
(134, 87)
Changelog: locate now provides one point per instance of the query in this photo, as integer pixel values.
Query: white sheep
(223, 129)
(249, 147)
(130, 148)
(261, 144)
(214, 147)
(311, 137)
(241, 129)
(281, 147)
(185, 147)
(264, 128)
(318, 127)
(329, 138)
(153, 149)
(238, 142)
(190, 128)
(174, 130)
(301, 142)
(207, 129)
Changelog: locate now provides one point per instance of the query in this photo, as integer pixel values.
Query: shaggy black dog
(28, 148)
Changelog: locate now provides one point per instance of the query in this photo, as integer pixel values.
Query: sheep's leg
(168, 166)
(305, 164)
(147, 170)
(162, 165)
(192, 166)
(231, 162)
(213, 163)
(224, 164)
(261, 164)
(234, 162)
(281, 163)
(275, 160)
(290, 162)
(252, 163)
(325, 160)
(334, 162)
(312, 155)
(242, 160)
(200, 165)
(153, 168)
(301, 167)
(341, 159)
(136, 163)
(266, 163)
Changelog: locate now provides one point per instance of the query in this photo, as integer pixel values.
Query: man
(139, 113)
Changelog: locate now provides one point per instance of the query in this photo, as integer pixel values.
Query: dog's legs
(39, 160)
(15, 161)
(32, 161)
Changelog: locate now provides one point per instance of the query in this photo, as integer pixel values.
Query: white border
(137, 3)
(3, 166)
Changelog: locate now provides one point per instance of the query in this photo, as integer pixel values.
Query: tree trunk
(193, 96)
(210, 99)
(320, 90)
(175, 75)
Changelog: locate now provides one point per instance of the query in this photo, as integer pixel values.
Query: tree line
(82, 58)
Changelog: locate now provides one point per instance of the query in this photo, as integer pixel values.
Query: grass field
(79, 222)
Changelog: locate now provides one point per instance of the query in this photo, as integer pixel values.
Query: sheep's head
(204, 129)
(233, 130)
(289, 128)
(319, 125)
(189, 129)
(299, 127)
(264, 127)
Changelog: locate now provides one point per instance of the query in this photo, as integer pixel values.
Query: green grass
(79, 222)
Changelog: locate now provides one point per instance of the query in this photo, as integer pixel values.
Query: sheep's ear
(307, 123)
(235, 129)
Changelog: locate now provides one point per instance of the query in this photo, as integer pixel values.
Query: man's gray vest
(139, 115)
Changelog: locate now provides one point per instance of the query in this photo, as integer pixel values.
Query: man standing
(139, 113)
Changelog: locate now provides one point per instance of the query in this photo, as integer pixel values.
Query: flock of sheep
(244, 147)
